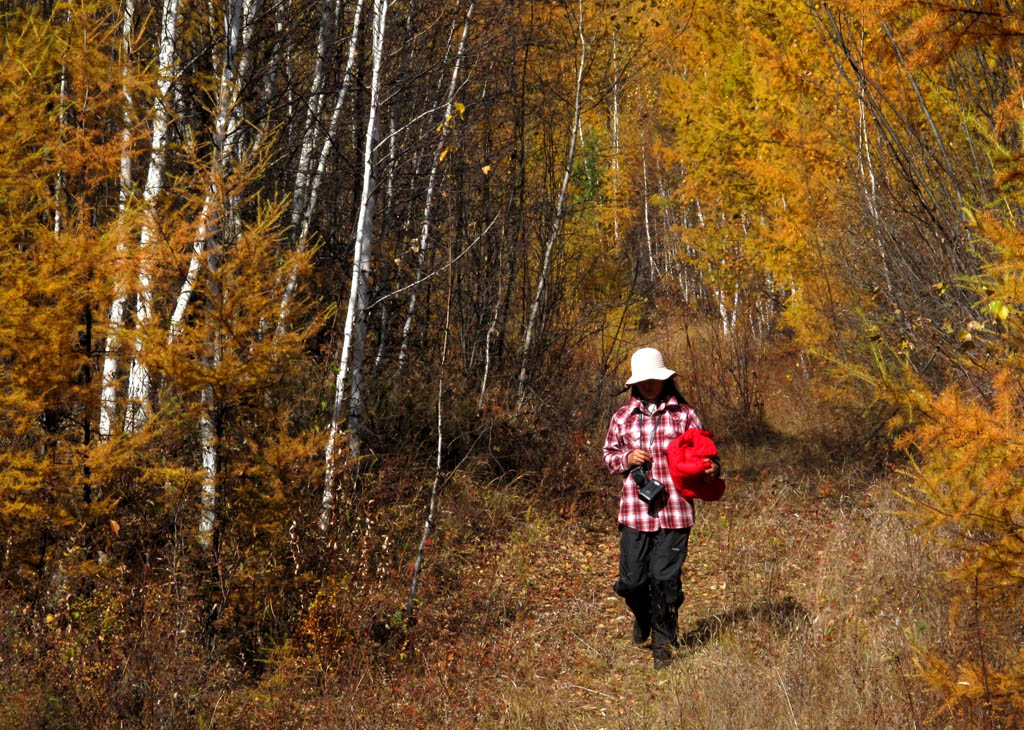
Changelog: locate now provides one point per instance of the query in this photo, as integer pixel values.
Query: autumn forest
(313, 314)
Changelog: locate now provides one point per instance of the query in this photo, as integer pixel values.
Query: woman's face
(650, 389)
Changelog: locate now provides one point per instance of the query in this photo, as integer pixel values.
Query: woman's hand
(637, 457)
(711, 470)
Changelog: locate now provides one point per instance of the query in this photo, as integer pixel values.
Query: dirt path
(796, 615)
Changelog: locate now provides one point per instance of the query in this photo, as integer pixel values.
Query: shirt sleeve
(615, 450)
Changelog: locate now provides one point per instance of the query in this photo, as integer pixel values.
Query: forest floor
(807, 601)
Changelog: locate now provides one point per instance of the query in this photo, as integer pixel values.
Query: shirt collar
(636, 405)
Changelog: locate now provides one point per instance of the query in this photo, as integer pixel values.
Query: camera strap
(654, 429)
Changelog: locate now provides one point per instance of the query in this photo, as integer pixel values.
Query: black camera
(649, 489)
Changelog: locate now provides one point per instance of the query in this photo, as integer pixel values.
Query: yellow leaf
(115, 527)
(486, 169)
(1003, 313)
(444, 153)
(460, 108)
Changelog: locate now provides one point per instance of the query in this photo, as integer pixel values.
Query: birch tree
(240, 22)
(137, 407)
(227, 119)
(108, 378)
(552, 240)
(428, 523)
(353, 345)
(439, 152)
(307, 186)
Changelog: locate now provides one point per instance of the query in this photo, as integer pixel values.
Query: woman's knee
(628, 585)
(669, 591)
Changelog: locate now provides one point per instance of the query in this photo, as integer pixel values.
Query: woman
(653, 534)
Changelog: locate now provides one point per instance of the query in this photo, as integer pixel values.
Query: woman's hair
(668, 389)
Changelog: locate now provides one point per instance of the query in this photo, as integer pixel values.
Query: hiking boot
(641, 631)
(662, 657)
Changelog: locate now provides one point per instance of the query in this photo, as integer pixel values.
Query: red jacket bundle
(687, 460)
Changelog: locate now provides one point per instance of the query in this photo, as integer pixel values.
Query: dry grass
(804, 606)
(806, 600)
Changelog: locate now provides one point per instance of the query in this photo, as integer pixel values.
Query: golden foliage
(970, 482)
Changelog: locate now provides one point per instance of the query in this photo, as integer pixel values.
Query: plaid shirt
(632, 427)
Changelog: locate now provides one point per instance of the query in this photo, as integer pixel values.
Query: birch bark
(208, 479)
(531, 324)
(864, 160)
(137, 407)
(303, 173)
(225, 137)
(59, 179)
(353, 344)
(428, 524)
(492, 330)
(424, 239)
(647, 221)
(108, 379)
(208, 453)
(615, 140)
(241, 20)
(309, 206)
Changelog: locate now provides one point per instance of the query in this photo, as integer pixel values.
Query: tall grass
(805, 604)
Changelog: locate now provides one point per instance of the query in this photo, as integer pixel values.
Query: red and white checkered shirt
(632, 427)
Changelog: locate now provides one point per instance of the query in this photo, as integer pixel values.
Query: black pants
(649, 569)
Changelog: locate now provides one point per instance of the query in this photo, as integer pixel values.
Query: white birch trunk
(209, 472)
(314, 186)
(723, 310)
(491, 331)
(668, 259)
(355, 321)
(871, 193)
(647, 220)
(108, 379)
(227, 121)
(424, 239)
(531, 323)
(389, 188)
(735, 309)
(225, 136)
(137, 408)
(304, 173)
(58, 182)
(428, 524)
(615, 140)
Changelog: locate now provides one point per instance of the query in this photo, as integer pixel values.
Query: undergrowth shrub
(970, 496)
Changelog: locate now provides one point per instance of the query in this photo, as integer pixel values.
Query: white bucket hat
(648, 364)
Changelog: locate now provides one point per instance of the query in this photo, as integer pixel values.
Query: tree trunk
(108, 379)
(137, 408)
(225, 137)
(353, 345)
(615, 140)
(208, 452)
(424, 239)
(428, 524)
(304, 173)
(531, 324)
(647, 222)
(309, 208)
